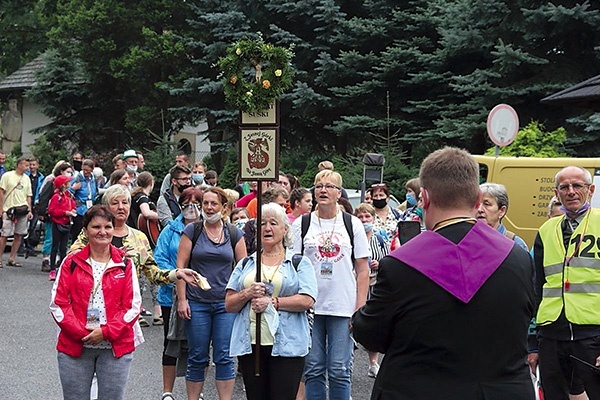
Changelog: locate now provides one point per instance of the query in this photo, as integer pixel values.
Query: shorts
(9, 227)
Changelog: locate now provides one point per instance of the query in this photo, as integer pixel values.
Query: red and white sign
(503, 125)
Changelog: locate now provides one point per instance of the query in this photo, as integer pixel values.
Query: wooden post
(258, 272)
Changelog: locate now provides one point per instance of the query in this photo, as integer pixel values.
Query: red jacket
(71, 293)
(59, 204)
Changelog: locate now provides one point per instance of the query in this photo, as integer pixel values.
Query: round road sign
(503, 124)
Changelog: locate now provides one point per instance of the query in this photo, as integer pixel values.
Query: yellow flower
(278, 72)
(266, 84)
(233, 80)
(238, 51)
(249, 94)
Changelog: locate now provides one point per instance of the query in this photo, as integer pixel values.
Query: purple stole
(460, 269)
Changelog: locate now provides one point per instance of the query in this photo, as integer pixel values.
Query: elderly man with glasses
(567, 262)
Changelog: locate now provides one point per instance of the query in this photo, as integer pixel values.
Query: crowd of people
(447, 312)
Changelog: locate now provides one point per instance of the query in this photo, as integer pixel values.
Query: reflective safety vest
(572, 277)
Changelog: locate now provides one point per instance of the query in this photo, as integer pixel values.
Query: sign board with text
(263, 117)
(259, 153)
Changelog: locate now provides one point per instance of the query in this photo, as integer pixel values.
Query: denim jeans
(76, 374)
(210, 322)
(331, 354)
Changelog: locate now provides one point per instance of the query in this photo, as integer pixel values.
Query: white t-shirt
(328, 249)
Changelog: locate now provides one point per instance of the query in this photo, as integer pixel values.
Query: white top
(97, 299)
(328, 248)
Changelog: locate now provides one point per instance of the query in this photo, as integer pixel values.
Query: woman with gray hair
(133, 242)
(493, 207)
(288, 289)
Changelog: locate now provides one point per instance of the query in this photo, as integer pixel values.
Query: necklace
(211, 235)
(451, 221)
(269, 286)
(272, 255)
(328, 247)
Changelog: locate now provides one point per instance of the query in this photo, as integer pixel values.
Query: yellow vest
(572, 277)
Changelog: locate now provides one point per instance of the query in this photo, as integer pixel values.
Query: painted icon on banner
(258, 153)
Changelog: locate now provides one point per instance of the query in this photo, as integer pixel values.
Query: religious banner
(259, 150)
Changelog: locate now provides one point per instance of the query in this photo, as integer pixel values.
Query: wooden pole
(258, 271)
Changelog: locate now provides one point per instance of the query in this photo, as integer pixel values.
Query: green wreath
(255, 74)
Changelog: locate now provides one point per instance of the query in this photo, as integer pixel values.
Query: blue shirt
(40, 182)
(88, 191)
(292, 337)
(516, 239)
(165, 255)
(214, 262)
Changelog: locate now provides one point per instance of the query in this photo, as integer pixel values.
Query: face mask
(379, 203)
(212, 220)
(77, 165)
(197, 178)
(368, 226)
(410, 199)
(131, 168)
(241, 223)
(181, 188)
(191, 212)
(419, 212)
(68, 174)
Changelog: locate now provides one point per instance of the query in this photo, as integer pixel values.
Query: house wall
(32, 118)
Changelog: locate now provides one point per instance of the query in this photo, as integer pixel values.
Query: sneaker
(373, 371)
(52, 275)
(143, 322)
(146, 313)
(45, 265)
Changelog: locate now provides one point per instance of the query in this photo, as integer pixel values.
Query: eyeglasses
(329, 186)
(577, 187)
(188, 179)
(196, 205)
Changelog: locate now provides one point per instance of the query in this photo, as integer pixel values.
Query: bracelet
(277, 303)
(173, 275)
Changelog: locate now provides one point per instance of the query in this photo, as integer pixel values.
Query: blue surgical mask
(197, 178)
(410, 199)
(368, 226)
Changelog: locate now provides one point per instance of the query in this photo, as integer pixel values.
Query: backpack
(46, 193)
(233, 235)
(347, 224)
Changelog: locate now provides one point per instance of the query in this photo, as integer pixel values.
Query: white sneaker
(373, 371)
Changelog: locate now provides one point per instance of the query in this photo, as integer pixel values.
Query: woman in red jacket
(96, 302)
(60, 209)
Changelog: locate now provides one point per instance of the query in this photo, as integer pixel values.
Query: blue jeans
(76, 374)
(209, 322)
(331, 353)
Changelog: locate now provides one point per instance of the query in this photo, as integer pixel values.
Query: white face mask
(131, 168)
(213, 219)
(191, 212)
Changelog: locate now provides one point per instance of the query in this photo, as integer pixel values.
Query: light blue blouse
(292, 333)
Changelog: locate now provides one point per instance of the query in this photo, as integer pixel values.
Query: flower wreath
(272, 73)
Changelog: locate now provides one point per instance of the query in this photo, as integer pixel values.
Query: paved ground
(28, 368)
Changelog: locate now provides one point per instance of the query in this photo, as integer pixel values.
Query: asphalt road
(28, 367)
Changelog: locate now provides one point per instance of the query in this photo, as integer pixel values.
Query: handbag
(63, 228)
(17, 211)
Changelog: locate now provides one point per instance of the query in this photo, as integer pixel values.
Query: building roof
(585, 94)
(24, 77)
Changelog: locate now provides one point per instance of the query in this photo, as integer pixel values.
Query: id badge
(93, 318)
(89, 203)
(326, 269)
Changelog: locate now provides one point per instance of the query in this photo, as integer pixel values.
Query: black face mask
(379, 203)
(181, 188)
(77, 165)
